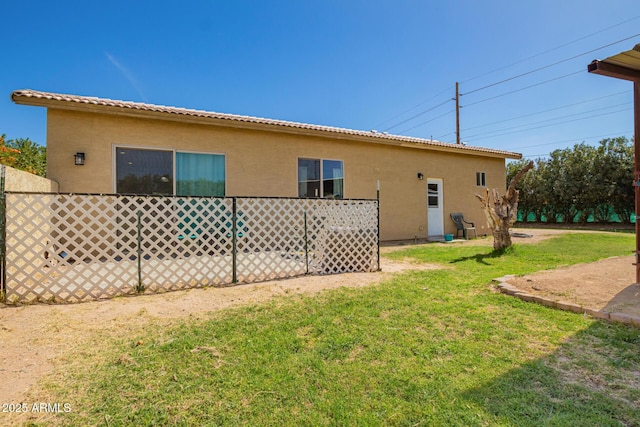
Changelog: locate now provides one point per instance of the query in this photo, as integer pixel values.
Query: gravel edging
(503, 285)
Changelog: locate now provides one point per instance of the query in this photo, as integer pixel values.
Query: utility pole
(457, 114)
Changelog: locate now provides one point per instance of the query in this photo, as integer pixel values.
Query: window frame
(431, 195)
(321, 160)
(174, 151)
(481, 179)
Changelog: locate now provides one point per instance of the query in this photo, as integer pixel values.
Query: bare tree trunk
(502, 211)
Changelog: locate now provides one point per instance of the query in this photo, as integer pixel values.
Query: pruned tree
(502, 211)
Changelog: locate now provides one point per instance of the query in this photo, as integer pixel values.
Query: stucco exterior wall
(263, 163)
(17, 180)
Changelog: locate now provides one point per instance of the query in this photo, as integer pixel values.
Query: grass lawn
(425, 348)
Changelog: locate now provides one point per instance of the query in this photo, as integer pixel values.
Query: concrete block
(604, 315)
(622, 318)
(568, 306)
(524, 296)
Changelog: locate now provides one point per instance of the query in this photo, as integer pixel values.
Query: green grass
(425, 348)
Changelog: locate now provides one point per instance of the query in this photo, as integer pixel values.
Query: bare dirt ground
(606, 285)
(33, 338)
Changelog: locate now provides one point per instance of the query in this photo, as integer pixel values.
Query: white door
(435, 213)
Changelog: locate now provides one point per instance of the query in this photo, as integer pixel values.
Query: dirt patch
(606, 285)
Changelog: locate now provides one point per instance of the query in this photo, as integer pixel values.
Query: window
(481, 179)
(147, 171)
(332, 179)
(199, 174)
(144, 171)
(320, 178)
(433, 195)
(308, 178)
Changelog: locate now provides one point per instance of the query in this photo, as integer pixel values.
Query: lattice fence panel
(345, 235)
(186, 242)
(78, 247)
(270, 239)
(67, 247)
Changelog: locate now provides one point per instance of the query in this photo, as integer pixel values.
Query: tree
(23, 154)
(537, 189)
(502, 211)
(560, 190)
(576, 183)
(583, 181)
(525, 189)
(615, 163)
(532, 190)
(8, 155)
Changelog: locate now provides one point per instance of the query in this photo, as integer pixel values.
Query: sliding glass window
(147, 171)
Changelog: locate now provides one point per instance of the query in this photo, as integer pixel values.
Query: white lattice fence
(67, 247)
(56, 246)
(347, 236)
(271, 239)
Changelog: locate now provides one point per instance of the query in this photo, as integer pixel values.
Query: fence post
(140, 288)
(378, 199)
(3, 236)
(306, 244)
(234, 241)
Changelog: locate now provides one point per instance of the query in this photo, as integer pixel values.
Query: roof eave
(172, 115)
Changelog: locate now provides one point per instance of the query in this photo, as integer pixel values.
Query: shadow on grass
(481, 258)
(592, 379)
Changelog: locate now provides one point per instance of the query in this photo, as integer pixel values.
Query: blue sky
(354, 64)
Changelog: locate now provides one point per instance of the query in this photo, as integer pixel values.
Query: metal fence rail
(75, 247)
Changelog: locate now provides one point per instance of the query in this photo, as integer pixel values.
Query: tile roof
(34, 97)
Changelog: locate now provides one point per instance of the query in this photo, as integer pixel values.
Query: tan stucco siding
(262, 163)
(17, 180)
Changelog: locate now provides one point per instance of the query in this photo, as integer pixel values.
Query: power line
(417, 115)
(551, 50)
(554, 124)
(509, 79)
(573, 140)
(528, 87)
(607, 135)
(548, 110)
(549, 120)
(428, 121)
(535, 156)
(446, 134)
(547, 66)
(413, 108)
(524, 88)
(519, 90)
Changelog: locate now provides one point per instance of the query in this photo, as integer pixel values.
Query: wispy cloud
(127, 74)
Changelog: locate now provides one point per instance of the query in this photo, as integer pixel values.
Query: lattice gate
(75, 247)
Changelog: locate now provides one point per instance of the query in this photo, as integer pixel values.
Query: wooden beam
(621, 72)
(612, 70)
(636, 142)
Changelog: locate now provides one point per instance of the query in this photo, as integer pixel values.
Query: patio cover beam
(626, 66)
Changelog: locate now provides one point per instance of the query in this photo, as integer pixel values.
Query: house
(131, 147)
